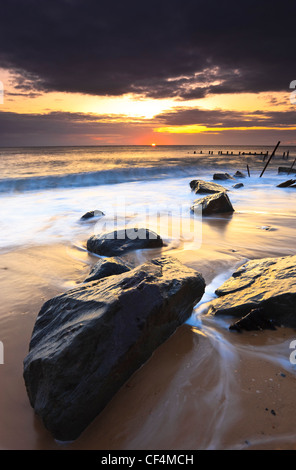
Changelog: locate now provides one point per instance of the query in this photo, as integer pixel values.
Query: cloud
(66, 128)
(218, 118)
(169, 48)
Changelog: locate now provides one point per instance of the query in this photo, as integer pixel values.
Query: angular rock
(87, 342)
(222, 176)
(262, 291)
(122, 241)
(108, 267)
(238, 185)
(205, 187)
(91, 214)
(214, 204)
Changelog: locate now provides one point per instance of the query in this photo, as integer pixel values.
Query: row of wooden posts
(265, 155)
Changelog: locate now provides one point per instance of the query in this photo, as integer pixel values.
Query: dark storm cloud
(220, 118)
(162, 48)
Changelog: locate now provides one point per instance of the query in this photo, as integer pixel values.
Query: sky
(86, 72)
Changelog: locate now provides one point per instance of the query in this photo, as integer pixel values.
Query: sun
(153, 145)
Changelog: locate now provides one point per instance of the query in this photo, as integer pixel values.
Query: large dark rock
(262, 293)
(205, 187)
(87, 342)
(108, 267)
(122, 241)
(214, 204)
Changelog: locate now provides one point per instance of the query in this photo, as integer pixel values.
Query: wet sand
(204, 388)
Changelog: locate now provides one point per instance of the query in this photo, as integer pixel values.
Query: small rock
(239, 174)
(238, 185)
(222, 176)
(91, 214)
(107, 267)
(267, 228)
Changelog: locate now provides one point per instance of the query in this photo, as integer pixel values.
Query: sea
(44, 191)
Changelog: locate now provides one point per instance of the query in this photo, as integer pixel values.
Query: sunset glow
(195, 129)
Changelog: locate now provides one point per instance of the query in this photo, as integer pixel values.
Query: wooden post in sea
(267, 163)
(292, 166)
(248, 170)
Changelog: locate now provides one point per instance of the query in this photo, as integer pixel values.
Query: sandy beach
(204, 388)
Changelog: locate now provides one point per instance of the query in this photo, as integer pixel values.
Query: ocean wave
(95, 178)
